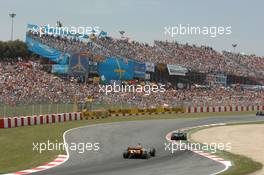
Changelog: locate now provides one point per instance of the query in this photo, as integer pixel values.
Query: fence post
(40, 109)
(33, 106)
(4, 110)
(49, 109)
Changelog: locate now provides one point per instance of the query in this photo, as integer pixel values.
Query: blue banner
(139, 70)
(60, 69)
(116, 69)
(46, 51)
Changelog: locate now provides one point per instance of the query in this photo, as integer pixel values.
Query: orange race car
(139, 152)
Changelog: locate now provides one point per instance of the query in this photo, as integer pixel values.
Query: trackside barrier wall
(200, 109)
(12, 122)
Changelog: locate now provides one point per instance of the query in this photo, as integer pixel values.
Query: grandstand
(71, 67)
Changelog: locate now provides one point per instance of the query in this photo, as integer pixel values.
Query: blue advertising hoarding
(116, 69)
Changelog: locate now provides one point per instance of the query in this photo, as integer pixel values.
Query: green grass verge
(16, 143)
(241, 165)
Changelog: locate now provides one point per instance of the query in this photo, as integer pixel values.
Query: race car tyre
(152, 152)
(145, 156)
(125, 155)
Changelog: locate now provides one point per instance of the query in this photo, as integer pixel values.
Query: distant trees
(11, 50)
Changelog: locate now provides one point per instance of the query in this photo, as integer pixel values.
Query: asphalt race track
(115, 137)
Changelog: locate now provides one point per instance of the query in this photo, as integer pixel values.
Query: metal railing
(35, 109)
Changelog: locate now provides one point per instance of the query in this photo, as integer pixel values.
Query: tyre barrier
(13, 122)
(97, 114)
(149, 111)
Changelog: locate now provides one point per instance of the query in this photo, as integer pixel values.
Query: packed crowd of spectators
(199, 58)
(190, 97)
(254, 64)
(134, 50)
(203, 59)
(26, 83)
